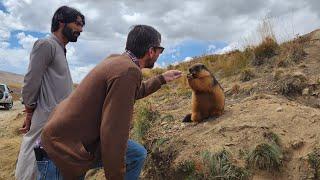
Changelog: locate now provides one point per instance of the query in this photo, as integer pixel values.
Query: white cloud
(78, 73)
(26, 41)
(131, 18)
(4, 45)
(4, 34)
(157, 65)
(14, 57)
(230, 47)
(175, 63)
(211, 49)
(187, 59)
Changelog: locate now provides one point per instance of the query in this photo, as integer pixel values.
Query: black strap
(40, 153)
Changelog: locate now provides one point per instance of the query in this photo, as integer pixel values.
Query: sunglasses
(159, 47)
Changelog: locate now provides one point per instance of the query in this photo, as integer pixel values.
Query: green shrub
(265, 157)
(158, 144)
(219, 166)
(145, 116)
(314, 161)
(187, 167)
(272, 137)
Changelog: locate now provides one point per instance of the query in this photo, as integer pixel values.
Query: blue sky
(2, 8)
(189, 28)
(190, 48)
(13, 40)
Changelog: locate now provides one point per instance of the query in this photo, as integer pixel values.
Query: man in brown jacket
(92, 124)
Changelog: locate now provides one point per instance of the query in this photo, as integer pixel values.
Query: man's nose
(80, 28)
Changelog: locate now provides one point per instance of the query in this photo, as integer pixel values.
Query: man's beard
(70, 34)
(149, 64)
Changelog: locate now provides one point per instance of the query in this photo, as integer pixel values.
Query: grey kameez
(47, 82)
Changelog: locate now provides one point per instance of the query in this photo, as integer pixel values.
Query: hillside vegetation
(269, 130)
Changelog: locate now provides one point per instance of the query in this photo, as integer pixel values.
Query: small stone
(229, 144)
(312, 120)
(312, 136)
(279, 109)
(306, 92)
(297, 144)
(163, 123)
(175, 127)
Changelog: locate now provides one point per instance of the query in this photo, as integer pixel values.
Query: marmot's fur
(207, 97)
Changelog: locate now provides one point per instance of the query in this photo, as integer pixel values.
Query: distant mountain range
(10, 78)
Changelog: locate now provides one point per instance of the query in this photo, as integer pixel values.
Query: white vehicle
(5, 97)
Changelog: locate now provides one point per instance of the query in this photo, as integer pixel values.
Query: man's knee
(144, 153)
(141, 152)
(137, 150)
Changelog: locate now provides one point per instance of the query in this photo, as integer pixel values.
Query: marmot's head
(198, 71)
(199, 78)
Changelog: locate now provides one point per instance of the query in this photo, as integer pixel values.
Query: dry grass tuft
(292, 84)
(265, 50)
(292, 52)
(233, 63)
(247, 74)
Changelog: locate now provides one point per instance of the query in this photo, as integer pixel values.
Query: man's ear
(151, 52)
(61, 25)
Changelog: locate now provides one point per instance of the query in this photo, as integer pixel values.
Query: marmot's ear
(204, 67)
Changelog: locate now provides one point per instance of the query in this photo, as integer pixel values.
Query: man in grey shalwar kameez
(47, 82)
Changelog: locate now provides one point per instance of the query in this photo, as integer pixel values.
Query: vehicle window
(2, 89)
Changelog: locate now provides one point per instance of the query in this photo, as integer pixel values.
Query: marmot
(207, 97)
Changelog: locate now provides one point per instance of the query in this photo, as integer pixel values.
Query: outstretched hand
(171, 75)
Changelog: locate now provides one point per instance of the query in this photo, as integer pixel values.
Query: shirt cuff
(29, 109)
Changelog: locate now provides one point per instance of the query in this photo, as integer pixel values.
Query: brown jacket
(93, 122)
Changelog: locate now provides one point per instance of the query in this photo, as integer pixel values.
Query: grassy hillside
(269, 130)
(270, 126)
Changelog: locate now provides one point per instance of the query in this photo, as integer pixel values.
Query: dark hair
(65, 14)
(141, 38)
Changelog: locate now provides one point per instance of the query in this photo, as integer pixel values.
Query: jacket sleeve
(40, 57)
(150, 86)
(115, 122)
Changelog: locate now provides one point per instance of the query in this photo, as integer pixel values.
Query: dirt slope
(256, 111)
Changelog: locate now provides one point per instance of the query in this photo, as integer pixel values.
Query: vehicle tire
(8, 106)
